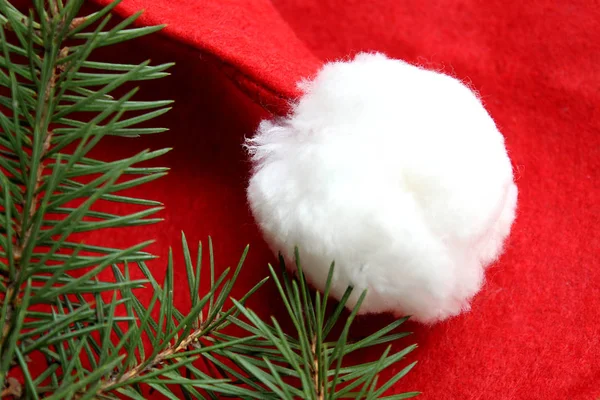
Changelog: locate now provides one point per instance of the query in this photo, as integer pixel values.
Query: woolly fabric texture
(396, 173)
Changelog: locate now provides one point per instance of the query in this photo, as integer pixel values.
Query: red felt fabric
(247, 38)
(534, 330)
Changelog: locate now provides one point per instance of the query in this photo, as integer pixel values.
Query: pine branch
(23, 233)
(177, 339)
(314, 361)
(39, 179)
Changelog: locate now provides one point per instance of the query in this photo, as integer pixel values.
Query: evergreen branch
(315, 362)
(167, 347)
(42, 94)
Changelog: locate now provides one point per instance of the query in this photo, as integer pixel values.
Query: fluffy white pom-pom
(396, 173)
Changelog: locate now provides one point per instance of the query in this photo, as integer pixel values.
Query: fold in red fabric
(534, 330)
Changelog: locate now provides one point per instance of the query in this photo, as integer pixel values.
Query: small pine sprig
(120, 362)
(315, 364)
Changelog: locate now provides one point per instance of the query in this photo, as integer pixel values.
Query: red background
(534, 330)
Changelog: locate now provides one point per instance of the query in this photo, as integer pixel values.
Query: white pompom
(396, 173)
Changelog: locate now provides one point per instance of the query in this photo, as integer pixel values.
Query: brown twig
(316, 366)
(23, 234)
(13, 388)
(148, 365)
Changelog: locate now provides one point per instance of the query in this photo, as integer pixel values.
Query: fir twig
(36, 179)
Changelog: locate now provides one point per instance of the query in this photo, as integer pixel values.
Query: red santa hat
(429, 124)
